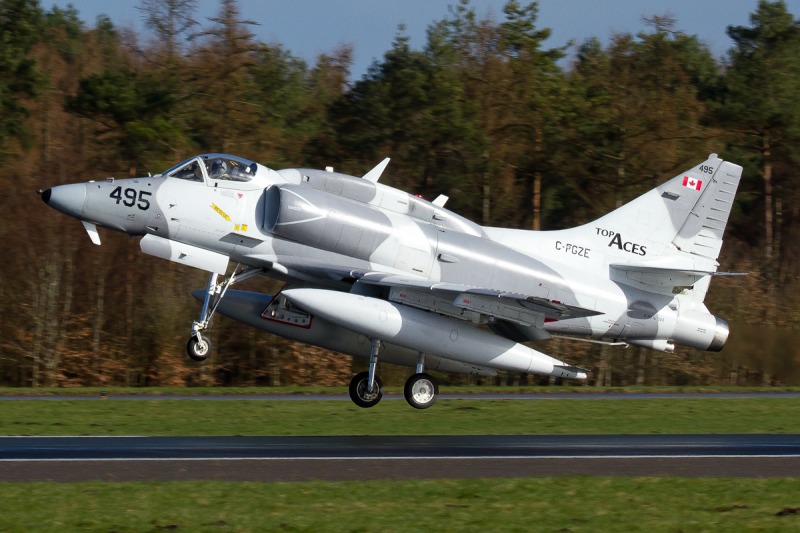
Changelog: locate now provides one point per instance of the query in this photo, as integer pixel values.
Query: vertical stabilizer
(686, 214)
(677, 226)
(701, 232)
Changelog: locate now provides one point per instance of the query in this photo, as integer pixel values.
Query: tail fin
(665, 241)
(686, 214)
(701, 232)
(678, 227)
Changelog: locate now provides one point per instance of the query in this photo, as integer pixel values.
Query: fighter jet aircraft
(378, 273)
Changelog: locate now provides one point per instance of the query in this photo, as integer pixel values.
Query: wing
(473, 303)
(516, 316)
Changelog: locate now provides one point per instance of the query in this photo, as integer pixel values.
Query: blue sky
(308, 28)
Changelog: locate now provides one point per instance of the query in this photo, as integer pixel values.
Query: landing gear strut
(199, 347)
(366, 389)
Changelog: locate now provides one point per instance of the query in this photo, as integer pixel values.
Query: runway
(67, 459)
(394, 397)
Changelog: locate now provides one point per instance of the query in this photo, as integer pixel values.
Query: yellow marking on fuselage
(222, 213)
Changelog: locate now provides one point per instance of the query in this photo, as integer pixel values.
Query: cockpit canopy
(221, 170)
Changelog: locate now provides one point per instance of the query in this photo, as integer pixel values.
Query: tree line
(516, 134)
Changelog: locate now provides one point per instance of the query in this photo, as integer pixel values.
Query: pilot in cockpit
(232, 170)
(190, 172)
(219, 169)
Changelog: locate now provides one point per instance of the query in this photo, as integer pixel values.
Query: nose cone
(69, 199)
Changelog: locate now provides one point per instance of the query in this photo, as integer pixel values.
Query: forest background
(483, 113)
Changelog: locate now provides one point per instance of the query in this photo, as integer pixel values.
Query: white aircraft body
(375, 272)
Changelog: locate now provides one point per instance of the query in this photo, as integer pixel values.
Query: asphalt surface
(392, 397)
(69, 459)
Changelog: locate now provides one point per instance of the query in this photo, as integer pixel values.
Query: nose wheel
(198, 348)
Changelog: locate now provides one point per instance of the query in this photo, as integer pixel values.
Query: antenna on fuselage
(375, 174)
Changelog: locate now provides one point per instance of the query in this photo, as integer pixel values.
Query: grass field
(573, 504)
(528, 504)
(38, 392)
(394, 417)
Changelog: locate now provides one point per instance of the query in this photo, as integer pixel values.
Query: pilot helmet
(219, 167)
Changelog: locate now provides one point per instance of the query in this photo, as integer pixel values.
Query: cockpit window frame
(223, 170)
(184, 170)
(229, 170)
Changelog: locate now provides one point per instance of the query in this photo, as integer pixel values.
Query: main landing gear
(199, 347)
(366, 389)
(421, 391)
(360, 391)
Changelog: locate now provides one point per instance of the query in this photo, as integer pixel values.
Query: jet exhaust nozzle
(721, 332)
(700, 330)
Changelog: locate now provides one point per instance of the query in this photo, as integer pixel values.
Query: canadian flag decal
(692, 183)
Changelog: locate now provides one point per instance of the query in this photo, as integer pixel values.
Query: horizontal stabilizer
(657, 277)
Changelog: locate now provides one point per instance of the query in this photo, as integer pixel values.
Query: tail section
(666, 241)
(646, 266)
(686, 215)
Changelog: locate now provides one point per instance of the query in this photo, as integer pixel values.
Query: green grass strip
(165, 417)
(574, 504)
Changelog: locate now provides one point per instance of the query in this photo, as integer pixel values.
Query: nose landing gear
(199, 347)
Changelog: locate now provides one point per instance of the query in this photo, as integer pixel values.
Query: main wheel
(358, 390)
(198, 348)
(421, 391)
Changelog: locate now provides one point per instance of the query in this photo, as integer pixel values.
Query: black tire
(421, 391)
(358, 390)
(198, 349)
